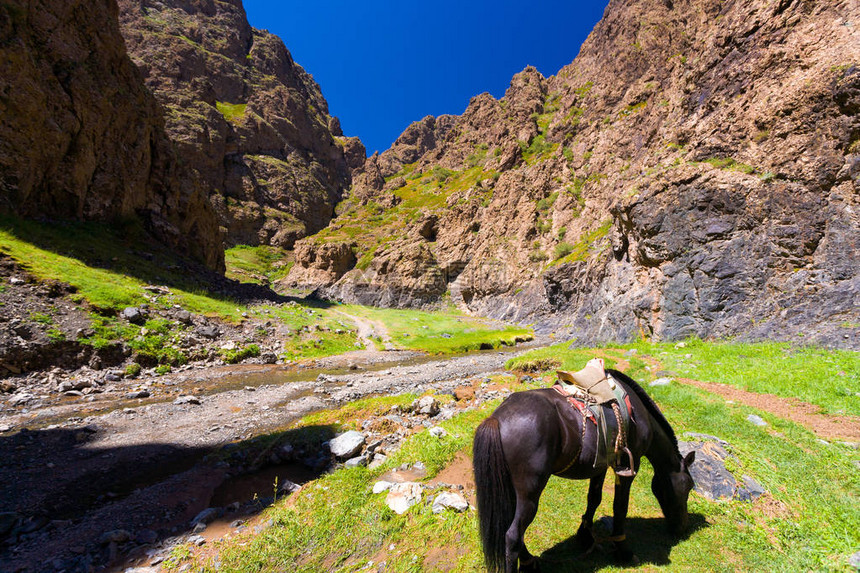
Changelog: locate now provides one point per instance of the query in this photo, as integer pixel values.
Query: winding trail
(369, 329)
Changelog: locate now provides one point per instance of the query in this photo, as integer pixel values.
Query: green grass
(829, 379)
(261, 264)
(232, 112)
(808, 520)
(236, 355)
(105, 267)
(419, 330)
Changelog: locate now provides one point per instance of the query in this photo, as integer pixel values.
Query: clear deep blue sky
(384, 64)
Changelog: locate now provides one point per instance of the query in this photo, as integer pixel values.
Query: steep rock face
(249, 122)
(80, 136)
(693, 172)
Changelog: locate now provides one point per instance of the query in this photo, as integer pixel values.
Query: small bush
(538, 256)
(162, 369)
(562, 250)
(133, 370)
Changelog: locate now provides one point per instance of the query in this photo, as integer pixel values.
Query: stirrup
(628, 471)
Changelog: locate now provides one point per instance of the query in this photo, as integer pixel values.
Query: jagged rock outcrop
(693, 172)
(80, 135)
(250, 123)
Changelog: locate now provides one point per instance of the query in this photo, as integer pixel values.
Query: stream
(80, 476)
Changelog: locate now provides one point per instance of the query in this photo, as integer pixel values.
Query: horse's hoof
(584, 540)
(624, 555)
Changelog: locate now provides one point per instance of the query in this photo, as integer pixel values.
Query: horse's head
(672, 490)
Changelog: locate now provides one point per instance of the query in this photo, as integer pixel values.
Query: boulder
(347, 444)
(711, 477)
(133, 315)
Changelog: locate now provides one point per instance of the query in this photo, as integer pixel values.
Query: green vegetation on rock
(232, 112)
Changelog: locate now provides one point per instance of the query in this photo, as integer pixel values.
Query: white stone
(450, 500)
(752, 418)
(661, 382)
(382, 486)
(438, 431)
(347, 444)
(402, 496)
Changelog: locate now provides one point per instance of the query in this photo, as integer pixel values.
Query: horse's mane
(650, 405)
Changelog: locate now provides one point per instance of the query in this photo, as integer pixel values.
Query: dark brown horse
(535, 434)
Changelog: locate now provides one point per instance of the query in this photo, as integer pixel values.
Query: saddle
(589, 390)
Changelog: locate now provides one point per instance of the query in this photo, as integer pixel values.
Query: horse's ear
(689, 459)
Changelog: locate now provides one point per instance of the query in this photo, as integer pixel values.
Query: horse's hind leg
(528, 493)
(584, 537)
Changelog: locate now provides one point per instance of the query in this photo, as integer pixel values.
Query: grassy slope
(109, 266)
(809, 520)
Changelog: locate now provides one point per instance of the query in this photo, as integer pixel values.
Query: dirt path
(142, 472)
(827, 426)
(368, 329)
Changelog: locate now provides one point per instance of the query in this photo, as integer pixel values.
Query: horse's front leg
(619, 510)
(584, 539)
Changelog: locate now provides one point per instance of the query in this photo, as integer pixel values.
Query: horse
(535, 434)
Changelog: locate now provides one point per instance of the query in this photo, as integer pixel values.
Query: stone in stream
(208, 515)
(347, 444)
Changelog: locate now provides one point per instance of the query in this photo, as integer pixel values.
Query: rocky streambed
(89, 485)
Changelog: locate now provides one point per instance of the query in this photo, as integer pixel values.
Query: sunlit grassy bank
(111, 267)
(443, 331)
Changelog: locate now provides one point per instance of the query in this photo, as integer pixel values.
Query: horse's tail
(497, 500)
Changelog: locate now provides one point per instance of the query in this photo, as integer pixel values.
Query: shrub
(562, 250)
(132, 370)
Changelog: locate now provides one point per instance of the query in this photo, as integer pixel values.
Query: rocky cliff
(693, 172)
(80, 135)
(249, 123)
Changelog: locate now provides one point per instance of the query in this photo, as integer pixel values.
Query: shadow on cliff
(125, 247)
(66, 501)
(647, 538)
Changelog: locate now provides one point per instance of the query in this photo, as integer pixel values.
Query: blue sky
(384, 64)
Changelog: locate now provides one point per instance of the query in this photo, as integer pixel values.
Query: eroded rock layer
(693, 172)
(80, 135)
(250, 123)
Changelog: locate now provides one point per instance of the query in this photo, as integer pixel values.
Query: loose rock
(347, 444)
(450, 500)
(402, 496)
